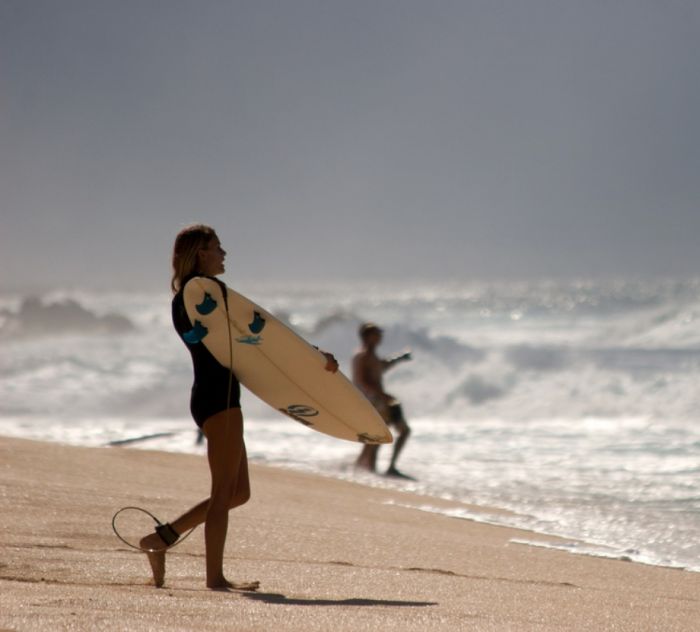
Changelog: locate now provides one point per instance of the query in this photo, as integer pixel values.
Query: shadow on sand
(276, 598)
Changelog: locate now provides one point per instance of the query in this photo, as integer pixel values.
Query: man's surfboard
(278, 365)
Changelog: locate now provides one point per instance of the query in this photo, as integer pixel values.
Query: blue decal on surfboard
(195, 335)
(258, 323)
(207, 306)
(250, 340)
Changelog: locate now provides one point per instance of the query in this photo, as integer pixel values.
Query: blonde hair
(189, 241)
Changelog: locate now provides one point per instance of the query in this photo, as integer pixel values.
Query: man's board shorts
(391, 410)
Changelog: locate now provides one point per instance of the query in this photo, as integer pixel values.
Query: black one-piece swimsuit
(210, 390)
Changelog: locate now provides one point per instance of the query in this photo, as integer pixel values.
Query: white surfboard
(279, 366)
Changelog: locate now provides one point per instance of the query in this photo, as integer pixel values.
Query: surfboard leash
(180, 540)
(230, 358)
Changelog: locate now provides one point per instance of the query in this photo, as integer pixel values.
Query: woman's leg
(241, 494)
(230, 488)
(224, 432)
(198, 514)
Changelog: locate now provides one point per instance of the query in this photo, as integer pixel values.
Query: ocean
(573, 406)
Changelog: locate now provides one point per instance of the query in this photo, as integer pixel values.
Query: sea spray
(573, 405)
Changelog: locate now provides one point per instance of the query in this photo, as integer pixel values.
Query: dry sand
(331, 556)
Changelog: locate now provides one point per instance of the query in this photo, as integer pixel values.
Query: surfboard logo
(196, 334)
(258, 323)
(300, 413)
(250, 340)
(207, 306)
(302, 410)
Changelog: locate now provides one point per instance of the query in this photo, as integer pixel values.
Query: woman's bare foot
(224, 584)
(154, 549)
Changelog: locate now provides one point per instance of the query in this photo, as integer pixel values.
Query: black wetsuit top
(210, 391)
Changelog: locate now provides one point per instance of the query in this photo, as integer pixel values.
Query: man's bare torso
(367, 371)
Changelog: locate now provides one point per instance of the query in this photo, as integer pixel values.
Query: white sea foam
(573, 406)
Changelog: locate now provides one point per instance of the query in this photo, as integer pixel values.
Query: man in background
(367, 371)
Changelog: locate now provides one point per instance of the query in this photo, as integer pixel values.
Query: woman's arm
(331, 362)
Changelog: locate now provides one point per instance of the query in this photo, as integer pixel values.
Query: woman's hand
(331, 362)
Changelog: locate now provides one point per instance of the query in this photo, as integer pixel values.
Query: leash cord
(158, 522)
(230, 358)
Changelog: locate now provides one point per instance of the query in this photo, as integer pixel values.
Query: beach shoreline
(330, 554)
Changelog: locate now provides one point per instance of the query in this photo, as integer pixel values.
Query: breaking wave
(575, 406)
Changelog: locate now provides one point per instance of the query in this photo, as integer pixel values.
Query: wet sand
(330, 556)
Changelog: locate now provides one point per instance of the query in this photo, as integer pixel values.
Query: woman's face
(211, 258)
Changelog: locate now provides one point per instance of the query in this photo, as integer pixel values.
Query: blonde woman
(215, 406)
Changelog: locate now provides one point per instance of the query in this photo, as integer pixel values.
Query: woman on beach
(215, 406)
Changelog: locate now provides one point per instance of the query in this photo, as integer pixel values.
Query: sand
(331, 556)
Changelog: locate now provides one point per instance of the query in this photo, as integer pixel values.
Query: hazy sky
(338, 139)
